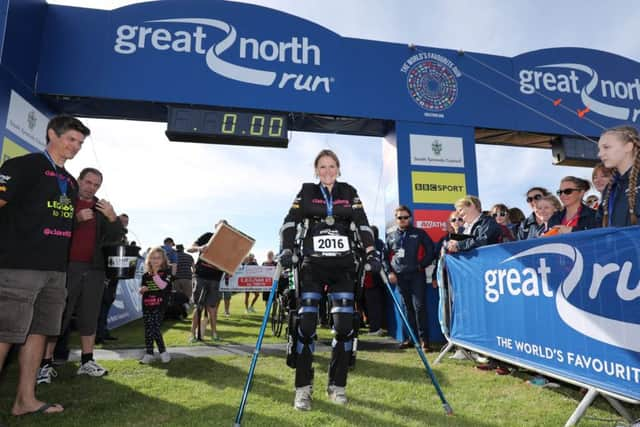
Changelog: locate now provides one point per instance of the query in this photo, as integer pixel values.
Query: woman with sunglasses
(576, 216)
(619, 150)
(500, 213)
(529, 225)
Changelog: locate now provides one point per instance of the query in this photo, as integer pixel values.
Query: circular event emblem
(432, 83)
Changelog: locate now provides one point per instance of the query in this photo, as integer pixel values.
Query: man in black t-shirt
(37, 197)
(207, 290)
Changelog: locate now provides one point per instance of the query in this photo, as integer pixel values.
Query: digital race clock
(256, 129)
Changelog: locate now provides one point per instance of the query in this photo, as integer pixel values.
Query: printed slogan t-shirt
(36, 223)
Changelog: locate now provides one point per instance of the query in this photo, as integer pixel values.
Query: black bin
(121, 261)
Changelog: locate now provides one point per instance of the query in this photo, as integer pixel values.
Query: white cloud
(181, 189)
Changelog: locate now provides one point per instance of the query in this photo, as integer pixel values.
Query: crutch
(256, 351)
(416, 344)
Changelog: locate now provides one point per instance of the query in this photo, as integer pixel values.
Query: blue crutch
(434, 381)
(256, 351)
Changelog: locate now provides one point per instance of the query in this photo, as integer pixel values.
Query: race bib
(328, 243)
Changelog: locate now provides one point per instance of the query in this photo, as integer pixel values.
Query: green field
(388, 388)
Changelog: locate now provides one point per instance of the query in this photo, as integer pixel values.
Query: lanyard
(573, 221)
(62, 180)
(329, 199)
(403, 236)
(612, 196)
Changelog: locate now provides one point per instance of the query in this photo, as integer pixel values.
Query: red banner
(432, 221)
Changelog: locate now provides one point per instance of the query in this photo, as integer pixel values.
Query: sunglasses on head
(566, 191)
(536, 197)
(403, 217)
(453, 220)
(501, 213)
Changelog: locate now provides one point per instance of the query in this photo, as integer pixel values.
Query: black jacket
(107, 233)
(418, 250)
(620, 214)
(310, 204)
(586, 221)
(485, 231)
(528, 229)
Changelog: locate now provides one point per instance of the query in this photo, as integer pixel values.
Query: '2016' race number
(330, 243)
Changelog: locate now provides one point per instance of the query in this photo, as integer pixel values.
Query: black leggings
(152, 321)
(314, 277)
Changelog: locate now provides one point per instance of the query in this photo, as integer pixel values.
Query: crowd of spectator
(40, 299)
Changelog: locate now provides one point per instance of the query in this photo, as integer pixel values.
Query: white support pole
(618, 407)
(443, 352)
(582, 407)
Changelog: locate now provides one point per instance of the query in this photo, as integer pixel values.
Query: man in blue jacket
(411, 251)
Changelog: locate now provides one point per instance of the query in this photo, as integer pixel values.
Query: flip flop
(43, 410)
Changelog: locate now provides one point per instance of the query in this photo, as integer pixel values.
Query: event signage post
(250, 278)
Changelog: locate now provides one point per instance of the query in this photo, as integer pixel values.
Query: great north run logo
(569, 78)
(534, 281)
(432, 82)
(298, 51)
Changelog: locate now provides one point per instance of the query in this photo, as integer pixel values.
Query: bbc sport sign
(566, 305)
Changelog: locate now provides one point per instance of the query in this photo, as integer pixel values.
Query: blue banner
(566, 305)
(229, 54)
(127, 306)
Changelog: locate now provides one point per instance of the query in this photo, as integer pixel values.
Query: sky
(181, 190)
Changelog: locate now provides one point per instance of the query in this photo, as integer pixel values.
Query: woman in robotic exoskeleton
(326, 248)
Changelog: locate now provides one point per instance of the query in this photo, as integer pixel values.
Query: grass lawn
(387, 388)
(240, 328)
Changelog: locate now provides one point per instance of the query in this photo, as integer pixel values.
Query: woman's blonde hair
(555, 202)
(147, 261)
(602, 168)
(625, 134)
(469, 200)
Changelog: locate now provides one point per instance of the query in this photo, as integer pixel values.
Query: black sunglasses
(403, 217)
(536, 197)
(501, 213)
(566, 191)
(453, 220)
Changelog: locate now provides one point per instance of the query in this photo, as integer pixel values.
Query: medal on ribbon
(328, 198)
(62, 180)
(64, 199)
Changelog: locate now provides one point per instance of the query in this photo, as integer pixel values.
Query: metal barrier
(562, 306)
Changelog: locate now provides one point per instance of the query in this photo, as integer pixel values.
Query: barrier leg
(619, 408)
(416, 344)
(256, 351)
(586, 401)
(443, 352)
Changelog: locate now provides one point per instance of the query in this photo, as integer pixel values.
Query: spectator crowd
(64, 226)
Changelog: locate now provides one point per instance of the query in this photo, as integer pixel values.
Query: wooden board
(227, 248)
